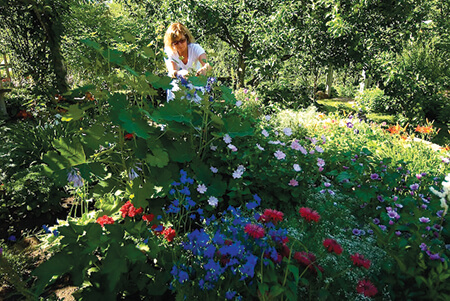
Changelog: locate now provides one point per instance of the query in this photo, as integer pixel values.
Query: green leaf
(236, 126)
(181, 151)
(159, 158)
(176, 110)
(228, 95)
(198, 81)
(72, 151)
(91, 43)
(74, 112)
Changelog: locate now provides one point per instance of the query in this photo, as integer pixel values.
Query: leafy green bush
(415, 80)
(374, 100)
(285, 94)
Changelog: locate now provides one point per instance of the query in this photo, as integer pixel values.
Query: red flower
(128, 209)
(169, 233)
(304, 258)
(254, 231)
(105, 220)
(367, 288)
(309, 215)
(332, 246)
(285, 251)
(271, 215)
(360, 261)
(148, 217)
(309, 260)
(129, 136)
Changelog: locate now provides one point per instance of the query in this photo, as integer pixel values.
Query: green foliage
(285, 95)
(415, 81)
(375, 101)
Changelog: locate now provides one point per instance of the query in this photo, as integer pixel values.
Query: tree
(32, 30)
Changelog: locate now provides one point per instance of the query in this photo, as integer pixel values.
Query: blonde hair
(175, 32)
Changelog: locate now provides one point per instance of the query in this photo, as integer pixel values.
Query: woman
(183, 54)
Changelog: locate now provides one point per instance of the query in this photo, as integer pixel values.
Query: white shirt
(194, 52)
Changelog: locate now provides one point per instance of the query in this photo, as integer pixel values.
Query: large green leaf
(133, 122)
(158, 158)
(176, 110)
(236, 126)
(74, 112)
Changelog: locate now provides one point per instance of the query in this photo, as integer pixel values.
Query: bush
(285, 94)
(374, 100)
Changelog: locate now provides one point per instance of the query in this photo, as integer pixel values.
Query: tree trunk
(362, 84)
(329, 80)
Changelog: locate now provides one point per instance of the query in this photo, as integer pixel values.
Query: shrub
(374, 100)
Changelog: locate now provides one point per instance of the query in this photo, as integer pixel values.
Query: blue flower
(185, 191)
(183, 276)
(230, 295)
(210, 251)
(12, 238)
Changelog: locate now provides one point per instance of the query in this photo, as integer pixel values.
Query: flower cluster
(309, 215)
(360, 261)
(105, 220)
(129, 210)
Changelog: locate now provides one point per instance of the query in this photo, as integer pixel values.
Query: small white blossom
(202, 188)
(213, 201)
(227, 138)
(297, 167)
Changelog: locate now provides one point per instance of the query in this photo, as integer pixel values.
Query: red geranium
(271, 215)
(254, 231)
(105, 220)
(360, 261)
(169, 233)
(309, 214)
(332, 246)
(129, 136)
(129, 210)
(148, 217)
(367, 288)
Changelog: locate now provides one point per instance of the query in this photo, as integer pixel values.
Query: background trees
(289, 49)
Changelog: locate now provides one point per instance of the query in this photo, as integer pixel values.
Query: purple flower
(279, 155)
(227, 139)
(319, 149)
(424, 219)
(414, 186)
(202, 188)
(232, 147)
(382, 227)
(349, 125)
(297, 167)
(376, 221)
(326, 184)
(320, 162)
(287, 131)
(213, 169)
(331, 192)
(356, 231)
(423, 247)
(12, 238)
(374, 176)
(265, 133)
(398, 233)
(295, 145)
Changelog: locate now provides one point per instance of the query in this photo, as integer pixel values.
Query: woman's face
(179, 44)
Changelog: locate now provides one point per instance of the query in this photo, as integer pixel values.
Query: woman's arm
(172, 68)
(205, 66)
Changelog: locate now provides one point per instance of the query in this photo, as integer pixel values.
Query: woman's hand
(202, 70)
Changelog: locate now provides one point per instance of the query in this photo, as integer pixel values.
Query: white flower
(279, 155)
(227, 138)
(265, 133)
(267, 117)
(213, 201)
(232, 147)
(259, 147)
(237, 174)
(202, 188)
(297, 167)
(213, 147)
(287, 131)
(445, 194)
(238, 103)
(213, 169)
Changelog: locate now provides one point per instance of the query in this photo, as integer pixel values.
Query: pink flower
(332, 246)
(254, 231)
(309, 214)
(293, 182)
(367, 288)
(271, 215)
(279, 155)
(360, 261)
